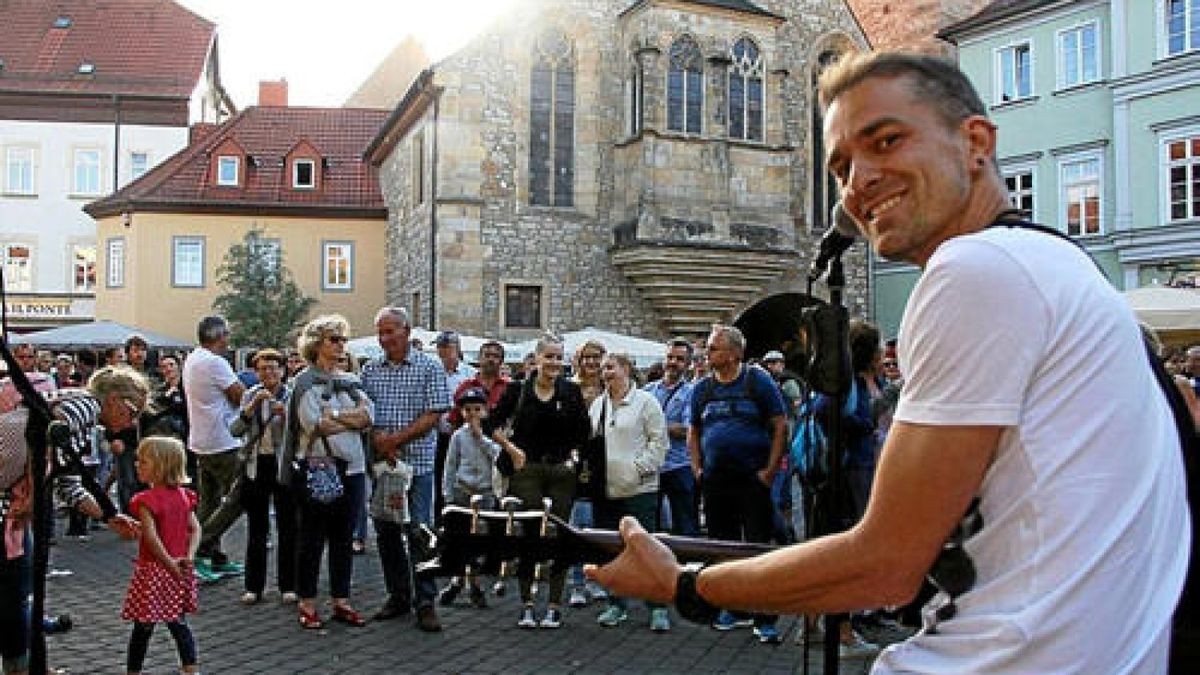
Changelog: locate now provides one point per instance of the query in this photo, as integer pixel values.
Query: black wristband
(688, 602)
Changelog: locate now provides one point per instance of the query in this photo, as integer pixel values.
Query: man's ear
(979, 134)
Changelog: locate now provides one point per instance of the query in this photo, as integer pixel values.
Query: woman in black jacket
(549, 423)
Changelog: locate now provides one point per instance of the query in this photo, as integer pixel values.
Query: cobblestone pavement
(265, 638)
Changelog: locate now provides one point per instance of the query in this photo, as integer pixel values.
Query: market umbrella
(94, 335)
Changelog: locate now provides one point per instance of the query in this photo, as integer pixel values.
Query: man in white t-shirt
(213, 392)
(1029, 405)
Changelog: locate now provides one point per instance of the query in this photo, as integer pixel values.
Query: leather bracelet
(688, 602)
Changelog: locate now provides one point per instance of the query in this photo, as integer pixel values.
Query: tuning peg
(541, 570)
(510, 505)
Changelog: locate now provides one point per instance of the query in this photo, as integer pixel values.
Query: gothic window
(552, 122)
(685, 86)
(746, 91)
(824, 186)
(634, 97)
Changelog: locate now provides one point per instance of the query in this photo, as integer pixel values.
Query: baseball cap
(446, 337)
(472, 395)
(773, 355)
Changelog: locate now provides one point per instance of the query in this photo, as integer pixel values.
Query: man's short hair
(495, 344)
(733, 337)
(934, 80)
(397, 314)
(210, 329)
(123, 381)
(681, 342)
(863, 337)
(136, 340)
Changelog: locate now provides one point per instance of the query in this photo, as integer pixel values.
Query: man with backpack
(736, 440)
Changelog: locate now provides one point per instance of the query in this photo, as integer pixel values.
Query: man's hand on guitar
(645, 569)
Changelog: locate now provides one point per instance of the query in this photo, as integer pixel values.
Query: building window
(552, 122)
(270, 252)
(824, 185)
(304, 174)
(1014, 72)
(116, 262)
(187, 262)
(1183, 178)
(636, 89)
(227, 171)
(1020, 190)
(139, 163)
(1079, 55)
(746, 92)
(415, 309)
(87, 172)
(1079, 181)
(522, 306)
(418, 168)
(1182, 25)
(339, 266)
(18, 267)
(83, 268)
(685, 86)
(19, 171)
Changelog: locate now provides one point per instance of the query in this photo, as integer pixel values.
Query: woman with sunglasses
(327, 415)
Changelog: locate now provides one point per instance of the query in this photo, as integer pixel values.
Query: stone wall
(704, 189)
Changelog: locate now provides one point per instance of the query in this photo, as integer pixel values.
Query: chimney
(199, 131)
(272, 93)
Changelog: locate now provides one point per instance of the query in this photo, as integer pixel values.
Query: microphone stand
(831, 518)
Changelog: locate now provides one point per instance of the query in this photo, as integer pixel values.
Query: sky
(324, 48)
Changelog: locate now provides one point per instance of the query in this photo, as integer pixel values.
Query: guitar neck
(601, 546)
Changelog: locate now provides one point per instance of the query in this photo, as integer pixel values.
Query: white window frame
(1009, 171)
(327, 248)
(224, 161)
(18, 277)
(1164, 142)
(115, 268)
(1000, 54)
(134, 174)
(85, 288)
(1077, 158)
(1164, 36)
(1060, 38)
(10, 186)
(187, 267)
(312, 174)
(77, 187)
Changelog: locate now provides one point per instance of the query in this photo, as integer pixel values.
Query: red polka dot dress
(155, 594)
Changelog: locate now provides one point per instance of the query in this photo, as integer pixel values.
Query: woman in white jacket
(635, 442)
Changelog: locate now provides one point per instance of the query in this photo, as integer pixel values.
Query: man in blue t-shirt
(736, 440)
(675, 479)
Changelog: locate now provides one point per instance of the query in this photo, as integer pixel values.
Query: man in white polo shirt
(213, 392)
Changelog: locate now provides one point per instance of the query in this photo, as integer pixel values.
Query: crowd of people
(1014, 459)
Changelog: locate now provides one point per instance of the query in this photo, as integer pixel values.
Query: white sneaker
(289, 598)
(578, 598)
(249, 598)
(857, 648)
(528, 618)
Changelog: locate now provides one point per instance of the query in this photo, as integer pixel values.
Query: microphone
(835, 241)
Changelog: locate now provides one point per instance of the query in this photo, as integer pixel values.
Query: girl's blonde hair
(166, 459)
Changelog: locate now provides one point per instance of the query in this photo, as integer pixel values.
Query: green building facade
(1098, 108)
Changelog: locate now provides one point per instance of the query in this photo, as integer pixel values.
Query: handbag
(591, 471)
(389, 495)
(322, 481)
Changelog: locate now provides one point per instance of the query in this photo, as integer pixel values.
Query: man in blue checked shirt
(410, 393)
(676, 481)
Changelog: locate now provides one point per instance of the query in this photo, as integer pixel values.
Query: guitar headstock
(477, 541)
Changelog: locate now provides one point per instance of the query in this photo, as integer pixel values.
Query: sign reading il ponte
(34, 307)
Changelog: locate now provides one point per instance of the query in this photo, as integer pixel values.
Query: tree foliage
(259, 297)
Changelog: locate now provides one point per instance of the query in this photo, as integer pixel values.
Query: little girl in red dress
(163, 587)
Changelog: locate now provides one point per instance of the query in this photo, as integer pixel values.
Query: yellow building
(297, 174)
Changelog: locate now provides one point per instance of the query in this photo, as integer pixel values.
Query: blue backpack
(809, 452)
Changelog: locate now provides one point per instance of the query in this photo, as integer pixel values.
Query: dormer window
(87, 68)
(304, 174)
(62, 22)
(227, 171)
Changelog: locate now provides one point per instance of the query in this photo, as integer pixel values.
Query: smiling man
(1052, 465)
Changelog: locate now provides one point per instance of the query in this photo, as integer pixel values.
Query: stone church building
(645, 166)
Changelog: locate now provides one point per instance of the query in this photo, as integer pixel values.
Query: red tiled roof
(994, 11)
(146, 47)
(184, 182)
